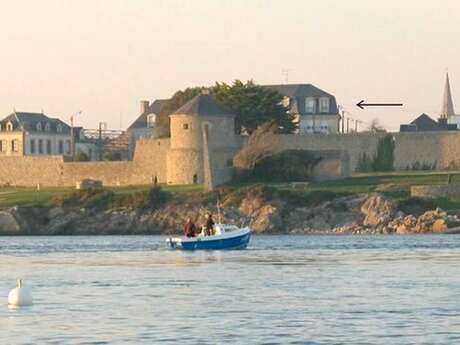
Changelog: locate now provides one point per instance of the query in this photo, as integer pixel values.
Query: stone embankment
(356, 214)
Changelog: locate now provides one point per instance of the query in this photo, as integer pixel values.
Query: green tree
(252, 104)
(174, 103)
(384, 158)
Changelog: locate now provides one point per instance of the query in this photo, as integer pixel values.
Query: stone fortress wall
(152, 159)
(440, 148)
(149, 161)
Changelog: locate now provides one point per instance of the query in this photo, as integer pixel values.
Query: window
(32, 146)
(47, 127)
(151, 120)
(40, 146)
(39, 127)
(60, 147)
(9, 126)
(2, 145)
(324, 105)
(59, 128)
(15, 145)
(310, 105)
(48, 146)
(185, 125)
(67, 146)
(229, 162)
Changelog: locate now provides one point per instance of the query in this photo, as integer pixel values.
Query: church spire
(447, 104)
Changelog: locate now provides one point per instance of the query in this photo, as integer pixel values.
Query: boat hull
(237, 241)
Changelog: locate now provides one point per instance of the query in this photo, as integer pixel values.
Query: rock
(267, 219)
(439, 225)
(250, 205)
(377, 210)
(88, 183)
(8, 224)
(402, 229)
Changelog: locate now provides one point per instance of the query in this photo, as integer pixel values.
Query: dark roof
(425, 123)
(29, 121)
(154, 108)
(298, 92)
(204, 105)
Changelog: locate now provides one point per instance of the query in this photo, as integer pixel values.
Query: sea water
(281, 290)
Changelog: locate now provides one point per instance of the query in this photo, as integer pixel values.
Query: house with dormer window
(316, 110)
(34, 134)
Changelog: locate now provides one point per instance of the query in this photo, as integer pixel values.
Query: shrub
(384, 158)
(416, 206)
(91, 198)
(417, 166)
(364, 163)
(290, 165)
(81, 157)
(152, 199)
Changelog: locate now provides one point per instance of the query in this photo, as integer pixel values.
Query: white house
(34, 134)
(316, 110)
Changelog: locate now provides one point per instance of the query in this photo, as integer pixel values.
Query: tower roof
(447, 104)
(204, 105)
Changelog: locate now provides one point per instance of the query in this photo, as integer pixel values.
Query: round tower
(199, 123)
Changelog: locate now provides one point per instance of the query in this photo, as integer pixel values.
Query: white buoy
(20, 296)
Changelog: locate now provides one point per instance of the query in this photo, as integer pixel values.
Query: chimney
(144, 106)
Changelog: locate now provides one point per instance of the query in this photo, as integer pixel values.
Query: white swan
(20, 296)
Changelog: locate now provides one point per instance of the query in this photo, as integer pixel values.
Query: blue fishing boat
(225, 237)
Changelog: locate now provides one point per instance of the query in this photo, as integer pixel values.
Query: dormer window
(39, 127)
(310, 105)
(47, 127)
(9, 126)
(151, 120)
(324, 105)
(59, 128)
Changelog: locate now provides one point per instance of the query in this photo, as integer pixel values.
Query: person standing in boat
(190, 228)
(209, 225)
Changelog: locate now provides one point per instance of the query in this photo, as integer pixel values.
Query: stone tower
(447, 104)
(201, 120)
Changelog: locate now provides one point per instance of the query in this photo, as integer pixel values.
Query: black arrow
(361, 104)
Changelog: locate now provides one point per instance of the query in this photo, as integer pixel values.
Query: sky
(103, 56)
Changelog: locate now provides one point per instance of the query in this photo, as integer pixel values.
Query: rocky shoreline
(351, 214)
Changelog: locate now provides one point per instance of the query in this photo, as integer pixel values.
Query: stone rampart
(151, 161)
(148, 163)
(439, 149)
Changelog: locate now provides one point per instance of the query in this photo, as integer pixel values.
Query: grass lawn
(393, 184)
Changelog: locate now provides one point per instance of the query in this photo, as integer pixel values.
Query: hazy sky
(104, 56)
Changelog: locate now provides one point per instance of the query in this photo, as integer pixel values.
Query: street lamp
(72, 135)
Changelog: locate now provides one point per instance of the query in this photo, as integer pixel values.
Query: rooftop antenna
(285, 73)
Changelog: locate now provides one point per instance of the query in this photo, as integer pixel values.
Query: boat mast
(219, 215)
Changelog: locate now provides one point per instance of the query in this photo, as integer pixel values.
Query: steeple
(447, 104)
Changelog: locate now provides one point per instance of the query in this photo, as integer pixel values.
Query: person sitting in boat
(190, 228)
(209, 225)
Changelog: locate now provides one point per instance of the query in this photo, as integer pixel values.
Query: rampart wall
(148, 163)
(440, 148)
(435, 148)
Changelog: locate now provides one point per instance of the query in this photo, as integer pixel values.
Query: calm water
(283, 289)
